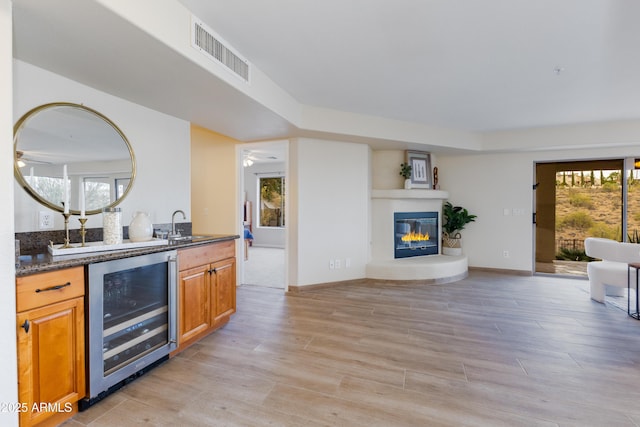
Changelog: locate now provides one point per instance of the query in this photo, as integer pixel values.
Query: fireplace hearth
(415, 234)
(384, 265)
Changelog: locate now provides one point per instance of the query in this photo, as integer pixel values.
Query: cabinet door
(224, 288)
(193, 312)
(50, 359)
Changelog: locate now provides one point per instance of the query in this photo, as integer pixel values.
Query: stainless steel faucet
(173, 222)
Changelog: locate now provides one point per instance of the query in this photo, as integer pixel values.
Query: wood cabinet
(206, 290)
(50, 331)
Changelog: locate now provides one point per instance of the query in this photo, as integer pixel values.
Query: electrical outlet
(45, 220)
(347, 263)
(332, 264)
(505, 254)
(338, 263)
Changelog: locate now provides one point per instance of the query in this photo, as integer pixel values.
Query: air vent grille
(207, 42)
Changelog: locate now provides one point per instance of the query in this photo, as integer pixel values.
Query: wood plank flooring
(490, 350)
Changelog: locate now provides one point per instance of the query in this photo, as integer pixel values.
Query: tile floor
(489, 350)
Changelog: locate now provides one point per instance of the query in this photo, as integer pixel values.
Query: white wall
(487, 184)
(8, 358)
(385, 166)
(329, 210)
(263, 236)
(161, 146)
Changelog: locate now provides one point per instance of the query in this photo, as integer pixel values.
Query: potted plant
(405, 172)
(455, 218)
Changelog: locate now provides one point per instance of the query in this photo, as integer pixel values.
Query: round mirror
(68, 154)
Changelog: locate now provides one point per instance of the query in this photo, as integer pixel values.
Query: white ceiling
(471, 65)
(467, 64)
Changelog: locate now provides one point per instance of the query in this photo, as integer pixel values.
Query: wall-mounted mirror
(65, 150)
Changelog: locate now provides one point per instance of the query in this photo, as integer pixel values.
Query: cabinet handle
(213, 270)
(54, 288)
(25, 325)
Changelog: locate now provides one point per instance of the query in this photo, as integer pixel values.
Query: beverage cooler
(132, 319)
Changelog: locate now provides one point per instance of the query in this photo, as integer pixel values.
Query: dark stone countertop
(41, 262)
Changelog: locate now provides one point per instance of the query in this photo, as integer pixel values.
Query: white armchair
(609, 276)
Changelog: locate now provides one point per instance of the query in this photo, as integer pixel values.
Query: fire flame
(415, 237)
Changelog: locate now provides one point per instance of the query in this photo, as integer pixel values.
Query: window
(121, 185)
(271, 201)
(51, 188)
(97, 192)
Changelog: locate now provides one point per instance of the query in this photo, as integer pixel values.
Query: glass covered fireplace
(415, 234)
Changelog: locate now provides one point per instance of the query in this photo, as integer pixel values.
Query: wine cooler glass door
(135, 314)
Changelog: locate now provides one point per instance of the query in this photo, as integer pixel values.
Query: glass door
(136, 314)
(576, 200)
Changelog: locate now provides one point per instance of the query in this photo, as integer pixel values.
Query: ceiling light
(20, 162)
(247, 162)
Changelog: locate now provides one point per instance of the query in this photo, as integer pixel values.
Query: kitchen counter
(38, 263)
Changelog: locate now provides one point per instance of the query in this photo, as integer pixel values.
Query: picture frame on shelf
(420, 162)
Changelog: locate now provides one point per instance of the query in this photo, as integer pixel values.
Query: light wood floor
(491, 350)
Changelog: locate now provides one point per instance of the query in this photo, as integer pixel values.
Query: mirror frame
(24, 184)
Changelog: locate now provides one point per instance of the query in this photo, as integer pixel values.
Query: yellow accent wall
(213, 182)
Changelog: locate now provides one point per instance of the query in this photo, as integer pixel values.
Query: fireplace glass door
(415, 234)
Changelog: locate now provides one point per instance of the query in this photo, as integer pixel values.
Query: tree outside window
(272, 201)
(97, 192)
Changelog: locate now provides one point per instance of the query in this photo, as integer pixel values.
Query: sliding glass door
(576, 200)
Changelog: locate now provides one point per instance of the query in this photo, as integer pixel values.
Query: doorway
(573, 201)
(264, 213)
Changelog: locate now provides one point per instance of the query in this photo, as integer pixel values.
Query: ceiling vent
(214, 47)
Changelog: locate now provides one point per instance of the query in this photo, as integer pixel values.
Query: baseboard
(502, 271)
(293, 289)
(438, 281)
(296, 289)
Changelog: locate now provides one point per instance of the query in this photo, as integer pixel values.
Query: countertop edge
(40, 263)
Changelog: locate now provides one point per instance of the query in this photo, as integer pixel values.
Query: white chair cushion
(613, 270)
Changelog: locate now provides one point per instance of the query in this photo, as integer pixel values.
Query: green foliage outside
(610, 187)
(580, 220)
(573, 255)
(601, 229)
(272, 202)
(588, 204)
(634, 236)
(580, 200)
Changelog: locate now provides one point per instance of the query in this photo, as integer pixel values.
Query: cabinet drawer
(200, 255)
(42, 289)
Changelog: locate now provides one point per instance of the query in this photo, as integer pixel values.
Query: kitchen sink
(178, 239)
